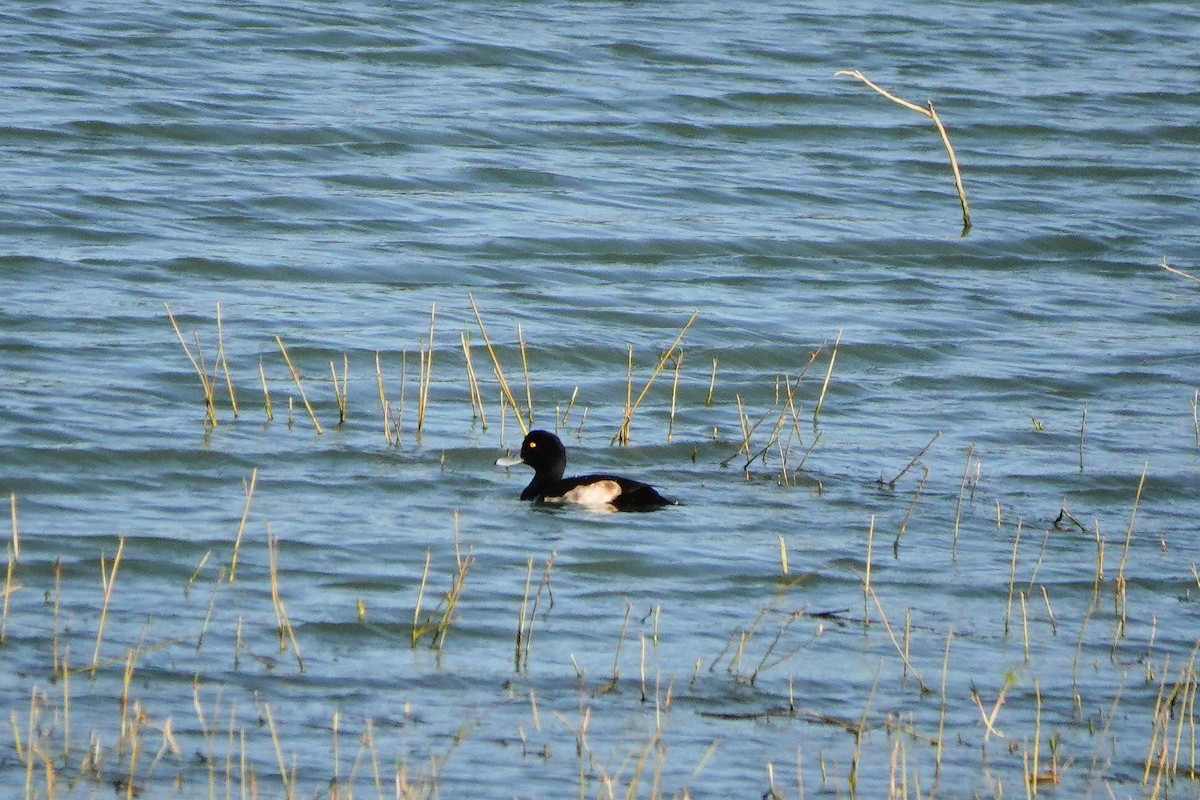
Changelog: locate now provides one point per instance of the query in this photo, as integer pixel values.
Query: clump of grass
(929, 112)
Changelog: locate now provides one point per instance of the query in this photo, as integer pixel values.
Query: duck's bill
(509, 461)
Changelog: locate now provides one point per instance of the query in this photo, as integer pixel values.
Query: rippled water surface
(962, 561)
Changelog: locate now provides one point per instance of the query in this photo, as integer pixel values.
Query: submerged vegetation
(1082, 691)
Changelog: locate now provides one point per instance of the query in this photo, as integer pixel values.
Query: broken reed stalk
(825, 385)
(237, 541)
(205, 381)
(107, 578)
(892, 483)
(296, 377)
(622, 435)
(339, 389)
(895, 643)
(266, 392)
(504, 387)
(224, 362)
(908, 511)
(1179, 272)
(286, 632)
(473, 382)
(929, 112)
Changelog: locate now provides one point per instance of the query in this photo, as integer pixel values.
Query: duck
(545, 453)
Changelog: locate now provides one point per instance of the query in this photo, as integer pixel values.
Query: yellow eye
(532, 445)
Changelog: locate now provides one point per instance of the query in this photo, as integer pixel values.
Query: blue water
(590, 176)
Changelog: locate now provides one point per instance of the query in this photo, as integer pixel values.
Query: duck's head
(543, 451)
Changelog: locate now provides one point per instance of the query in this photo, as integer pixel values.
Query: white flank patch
(600, 493)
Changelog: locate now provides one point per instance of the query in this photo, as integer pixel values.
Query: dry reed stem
(418, 629)
(1119, 588)
(340, 389)
(989, 720)
(544, 584)
(622, 435)
(1179, 272)
(1012, 578)
(473, 382)
(504, 387)
(892, 483)
(1082, 425)
(262, 375)
(205, 381)
(16, 538)
(525, 370)
(962, 488)
(9, 588)
(288, 780)
(937, 760)
(224, 362)
(1024, 625)
(674, 395)
(107, 577)
(296, 377)
(899, 650)
(825, 384)
(712, 383)
(1196, 415)
(237, 541)
(425, 375)
(927, 111)
(521, 615)
(1049, 610)
(908, 511)
(867, 570)
(383, 402)
(286, 632)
